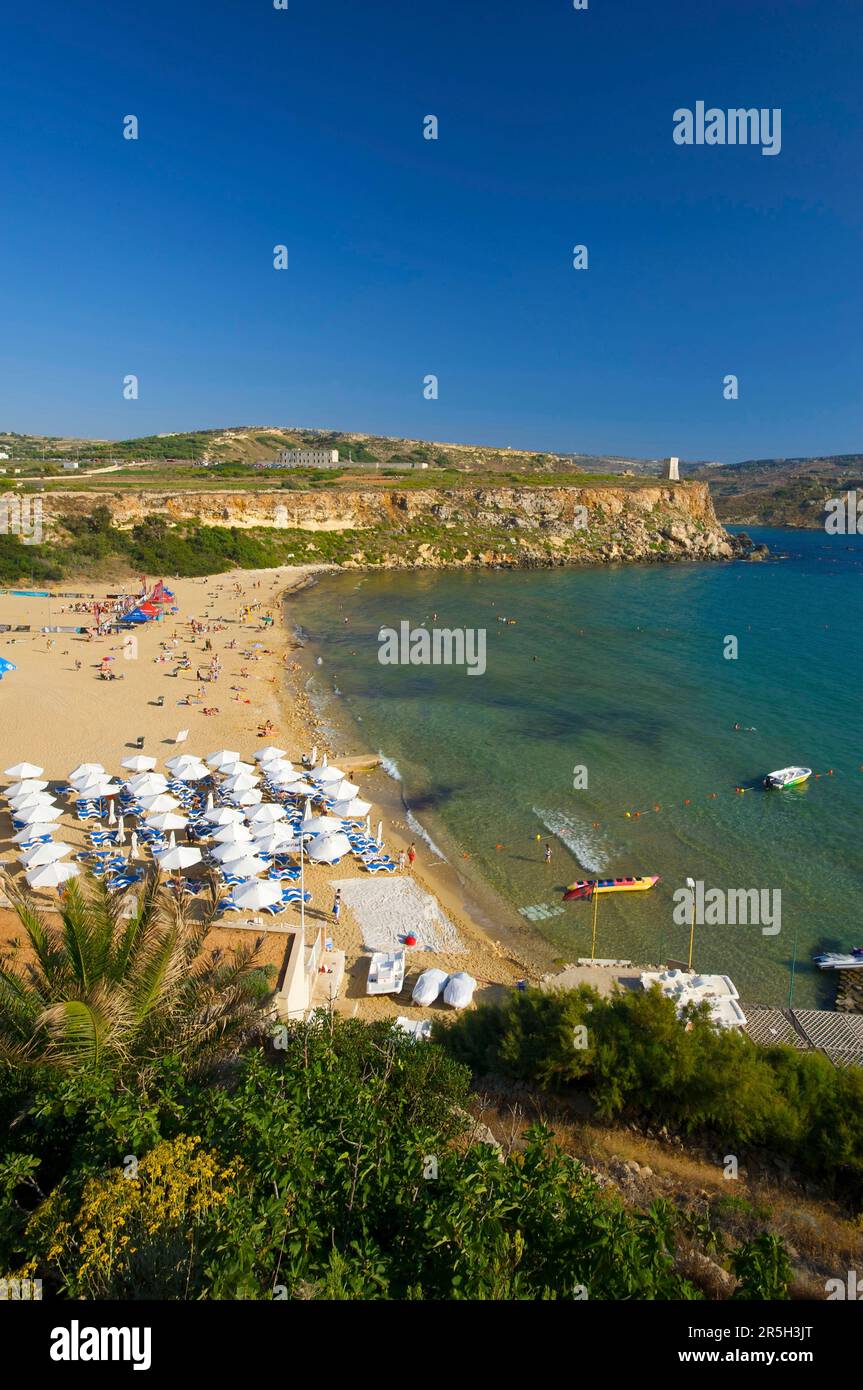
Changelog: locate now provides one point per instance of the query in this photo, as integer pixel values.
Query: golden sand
(56, 711)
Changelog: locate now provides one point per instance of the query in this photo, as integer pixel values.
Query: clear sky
(409, 256)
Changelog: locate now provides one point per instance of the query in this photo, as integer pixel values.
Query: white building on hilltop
(671, 470)
(306, 458)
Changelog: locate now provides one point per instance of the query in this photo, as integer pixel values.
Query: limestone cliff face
(461, 526)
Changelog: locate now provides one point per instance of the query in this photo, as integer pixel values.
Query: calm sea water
(622, 672)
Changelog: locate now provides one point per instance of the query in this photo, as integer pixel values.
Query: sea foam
(584, 843)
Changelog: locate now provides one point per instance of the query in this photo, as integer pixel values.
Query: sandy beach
(57, 710)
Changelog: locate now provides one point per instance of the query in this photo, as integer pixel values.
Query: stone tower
(671, 473)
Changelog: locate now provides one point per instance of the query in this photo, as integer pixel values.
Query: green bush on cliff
(632, 1056)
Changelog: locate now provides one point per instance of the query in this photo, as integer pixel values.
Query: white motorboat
(788, 777)
(386, 972)
(839, 960)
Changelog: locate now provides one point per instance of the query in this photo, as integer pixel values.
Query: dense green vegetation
(334, 1165)
(631, 1056)
(89, 543)
(162, 1137)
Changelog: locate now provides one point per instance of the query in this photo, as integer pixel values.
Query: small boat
(586, 887)
(837, 960)
(788, 777)
(386, 972)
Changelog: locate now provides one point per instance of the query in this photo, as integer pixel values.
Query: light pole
(595, 910)
(690, 883)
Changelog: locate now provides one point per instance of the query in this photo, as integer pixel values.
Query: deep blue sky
(452, 257)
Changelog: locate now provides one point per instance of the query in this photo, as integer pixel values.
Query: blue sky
(453, 257)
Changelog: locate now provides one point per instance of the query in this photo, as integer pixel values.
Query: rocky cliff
(392, 527)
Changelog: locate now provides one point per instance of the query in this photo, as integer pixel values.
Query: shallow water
(630, 683)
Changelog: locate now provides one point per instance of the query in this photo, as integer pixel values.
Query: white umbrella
(105, 787)
(192, 772)
(253, 797)
(233, 833)
(112, 816)
(247, 868)
(51, 875)
(278, 770)
(236, 849)
(24, 835)
(298, 788)
(237, 768)
(321, 825)
(277, 839)
(180, 760)
(121, 830)
(139, 763)
(148, 783)
(209, 801)
(223, 758)
(256, 893)
(87, 784)
(84, 770)
(351, 810)
(380, 835)
(44, 854)
(179, 857)
(325, 775)
(27, 800)
(326, 849)
(224, 815)
(40, 815)
(21, 770)
(243, 782)
(344, 791)
(167, 820)
(162, 802)
(30, 784)
(269, 755)
(267, 814)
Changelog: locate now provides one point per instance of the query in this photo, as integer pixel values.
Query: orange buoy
(687, 802)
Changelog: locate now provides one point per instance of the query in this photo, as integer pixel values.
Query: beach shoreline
(59, 711)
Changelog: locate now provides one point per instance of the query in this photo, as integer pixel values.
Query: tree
(102, 990)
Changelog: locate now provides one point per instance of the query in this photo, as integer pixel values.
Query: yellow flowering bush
(135, 1236)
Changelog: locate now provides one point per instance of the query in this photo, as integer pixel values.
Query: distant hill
(782, 491)
(250, 444)
(773, 491)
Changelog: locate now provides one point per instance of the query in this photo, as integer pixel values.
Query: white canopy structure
(44, 854)
(321, 825)
(235, 849)
(22, 770)
(267, 814)
(256, 893)
(269, 754)
(179, 857)
(326, 849)
(138, 762)
(40, 815)
(326, 775)
(277, 838)
(30, 784)
(232, 833)
(248, 867)
(82, 770)
(167, 820)
(51, 875)
(225, 757)
(351, 810)
(163, 801)
(148, 784)
(224, 815)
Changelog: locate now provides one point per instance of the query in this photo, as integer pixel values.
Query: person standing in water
(547, 853)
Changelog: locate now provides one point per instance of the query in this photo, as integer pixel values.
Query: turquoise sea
(630, 682)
